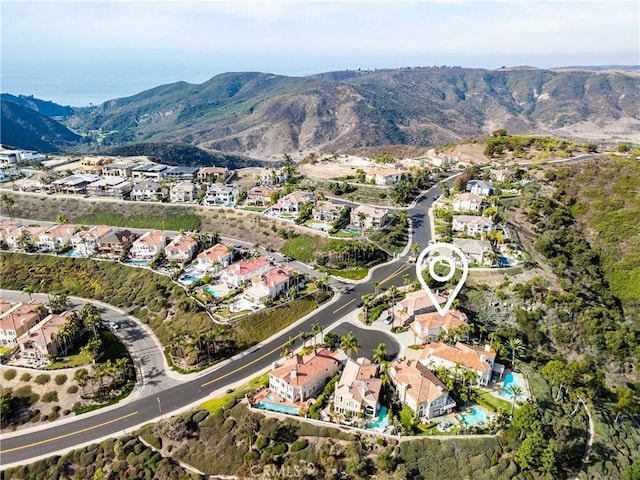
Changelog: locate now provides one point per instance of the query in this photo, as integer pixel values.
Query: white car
(114, 326)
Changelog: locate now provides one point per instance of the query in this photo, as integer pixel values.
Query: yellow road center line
(343, 306)
(93, 427)
(399, 270)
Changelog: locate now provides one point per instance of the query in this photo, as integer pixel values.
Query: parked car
(114, 326)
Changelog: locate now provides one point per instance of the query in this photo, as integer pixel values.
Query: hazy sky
(91, 51)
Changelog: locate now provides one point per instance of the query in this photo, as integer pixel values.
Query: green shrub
(10, 374)
(299, 444)
(25, 377)
(42, 379)
(262, 442)
(51, 396)
(72, 389)
(60, 379)
(199, 416)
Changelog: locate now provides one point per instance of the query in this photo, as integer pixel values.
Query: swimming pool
(510, 379)
(277, 407)
(213, 292)
(72, 253)
(188, 279)
(382, 420)
(351, 230)
(138, 262)
(477, 416)
(320, 226)
(506, 262)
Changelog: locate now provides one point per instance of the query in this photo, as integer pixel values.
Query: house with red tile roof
(85, 242)
(300, 377)
(17, 320)
(181, 249)
(43, 339)
(413, 304)
(367, 217)
(481, 361)
(419, 389)
(56, 237)
(259, 196)
(292, 202)
(13, 237)
(212, 174)
(149, 244)
(427, 326)
(271, 284)
(358, 390)
(384, 175)
(244, 270)
(220, 254)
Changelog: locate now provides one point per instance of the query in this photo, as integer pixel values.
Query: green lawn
(303, 247)
(112, 347)
(491, 401)
(170, 221)
(228, 400)
(351, 273)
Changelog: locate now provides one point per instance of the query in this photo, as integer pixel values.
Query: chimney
(294, 373)
(487, 347)
(483, 358)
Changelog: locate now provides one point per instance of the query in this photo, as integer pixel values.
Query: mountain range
(264, 115)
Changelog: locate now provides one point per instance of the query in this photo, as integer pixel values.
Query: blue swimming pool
(72, 253)
(139, 262)
(510, 379)
(320, 226)
(188, 279)
(478, 416)
(506, 262)
(213, 292)
(351, 230)
(277, 407)
(381, 422)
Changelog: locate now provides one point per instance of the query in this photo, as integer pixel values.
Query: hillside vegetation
(263, 115)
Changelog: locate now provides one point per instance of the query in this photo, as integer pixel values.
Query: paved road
(88, 429)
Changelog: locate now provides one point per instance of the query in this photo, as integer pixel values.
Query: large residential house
(327, 211)
(259, 196)
(427, 326)
(6, 227)
(212, 174)
(243, 271)
(43, 340)
(271, 284)
(220, 254)
(300, 377)
(117, 187)
(148, 190)
(221, 194)
(292, 203)
(118, 169)
(181, 249)
(74, 184)
(366, 217)
(8, 157)
(22, 237)
(56, 237)
(183, 192)
(182, 174)
(151, 171)
(114, 243)
(483, 188)
(358, 390)
(481, 361)
(94, 165)
(412, 304)
(16, 320)
(149, 245)
(476, 251)
(384, 175)
(419, 389)
(467, 202)
(86, 242)
(444, 160)
(472, 224)
(272, 176)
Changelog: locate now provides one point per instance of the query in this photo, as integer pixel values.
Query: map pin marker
(450, 259)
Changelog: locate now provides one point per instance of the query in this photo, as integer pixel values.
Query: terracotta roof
(276, 276)
(183, 242)
(215, 253)
(213, 170)
(262, 191)
(466, 355)
(467, 196)
(5, 306)
(245, 267)
(43, 332)
(419, 300)
(372, 212)
(297, 196)
(21, 314)
(359, 381)
(59, 231)
(422, 384)
(152, 238)
(307, 368)
(450, 321)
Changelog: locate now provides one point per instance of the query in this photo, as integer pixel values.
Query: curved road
(31, 444)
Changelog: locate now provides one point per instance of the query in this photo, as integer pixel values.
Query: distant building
(183, 192)
(56, 237)
(148, 190)
(476, 251)
(292, 203)
(384, 175)
(181, 249)
(151, 171)
(221, 194)
(480, 187)
(259, 196)
(272, 176)
(114, 243)
(149, 245)
(74, 184)
(118, 169)
(472, 224)
(327, 211)
(478, 360)
(213, 175)
(115, 187)
(94, 165)
(86, 242)
(184, 174)
(366, 217)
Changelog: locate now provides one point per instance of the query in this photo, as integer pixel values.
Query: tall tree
(380, 354)
(349, 343)
(8, 203)
(517, 346)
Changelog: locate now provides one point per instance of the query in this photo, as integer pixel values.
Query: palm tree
(122, 364)
(81, 376)
(516, 345)
(380, 354)
(349, 343)
(361, 218)
(28, 290)
(469, 376)
(515, 391)
(62, 219)
(91, 318)
(316, 328)
(392, 293)
(304, 336)
(376, 287)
